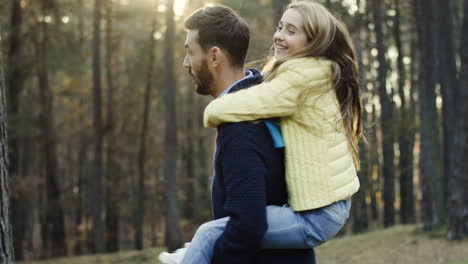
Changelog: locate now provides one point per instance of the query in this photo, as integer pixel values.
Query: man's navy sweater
(249, 175)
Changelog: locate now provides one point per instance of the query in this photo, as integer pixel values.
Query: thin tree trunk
(430, 164)
(97, 190)
(375, 165)
(191, 205)
(375, 171)
(140, 208)
(447, 69)
(361, 218)
(15, 81)
(413, 111)
(80, 197)
(84, 142)
(386, 120)
(203, 162)
(6, 237)
(54, 210)
(458, 199)
(112, 178)
(406, 135)
(278, 9)
(173, 233)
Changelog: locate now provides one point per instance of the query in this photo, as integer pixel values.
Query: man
(249, 171)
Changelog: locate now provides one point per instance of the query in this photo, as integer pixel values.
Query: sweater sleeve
(276, 98)
(244, 180)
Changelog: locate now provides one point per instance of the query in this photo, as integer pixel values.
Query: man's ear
(215, 56)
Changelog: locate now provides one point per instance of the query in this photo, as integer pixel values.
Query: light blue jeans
(286, 229)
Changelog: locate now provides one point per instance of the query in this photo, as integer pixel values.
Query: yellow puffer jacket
(319, 164)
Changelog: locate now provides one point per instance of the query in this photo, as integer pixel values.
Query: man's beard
(204, 79)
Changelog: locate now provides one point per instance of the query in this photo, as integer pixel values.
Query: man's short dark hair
(220, 26)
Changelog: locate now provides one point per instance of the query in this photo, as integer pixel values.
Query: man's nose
(186, 62)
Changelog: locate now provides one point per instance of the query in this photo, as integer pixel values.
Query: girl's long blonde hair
(329, 38)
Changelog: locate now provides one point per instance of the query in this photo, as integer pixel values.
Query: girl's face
(289, 37)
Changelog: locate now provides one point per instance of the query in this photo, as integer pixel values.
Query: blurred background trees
(106, 146)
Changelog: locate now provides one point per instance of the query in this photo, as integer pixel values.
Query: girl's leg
(289, 229)
(286, 229)
(201, 247)
(324, 223)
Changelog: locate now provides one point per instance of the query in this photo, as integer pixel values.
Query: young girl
(311, 85)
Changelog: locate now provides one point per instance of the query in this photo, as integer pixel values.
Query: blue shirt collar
(247, 74)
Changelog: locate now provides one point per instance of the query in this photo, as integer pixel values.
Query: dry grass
(401, 244)
(127, 257)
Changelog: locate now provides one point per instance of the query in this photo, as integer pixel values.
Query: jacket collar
(254, 79)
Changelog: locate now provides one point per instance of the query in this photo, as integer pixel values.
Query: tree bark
(140, 207)
(173, 233)
(55, 226)
(203, 161)
(97, 190)
(375, 166)
(278, 9)
(6, 237)
(15, 82)
(192, 202)
(458, 199)
(360, 221)
(406, 133)
(112, 178)
(386, 120)
(84, 143)
(449, 82)
(430, 164)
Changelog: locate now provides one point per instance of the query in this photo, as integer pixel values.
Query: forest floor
(400, 244)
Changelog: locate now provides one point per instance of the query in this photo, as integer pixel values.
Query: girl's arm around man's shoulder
(276, 98)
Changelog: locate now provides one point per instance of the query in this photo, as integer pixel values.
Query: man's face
(196, 63)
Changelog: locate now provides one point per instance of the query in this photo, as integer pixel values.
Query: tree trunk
(97, 190)
(458, 199)
(406, 135)
(173, 233)
(81, 182)
(54, 211)
(6, 237)
(375, 171)
(386, 120)
(430, 164)
(447, 69)
(360, 212)
(15, 81)
(84, 142)
(203, 161)
(112, 181)
(278, 9)
(140, 207)
(192, 203)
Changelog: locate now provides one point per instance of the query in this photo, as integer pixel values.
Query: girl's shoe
(173, 258)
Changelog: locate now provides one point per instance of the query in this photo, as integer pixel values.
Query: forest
(113, 155)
